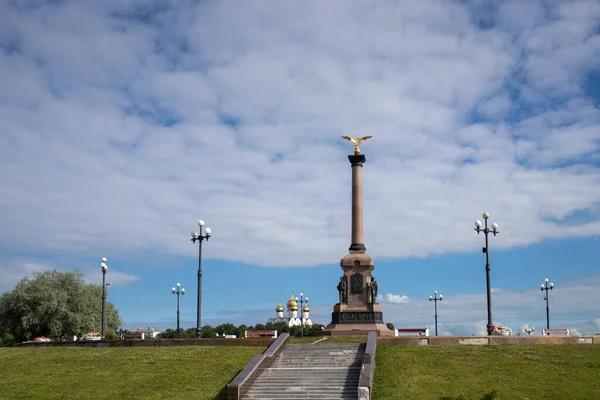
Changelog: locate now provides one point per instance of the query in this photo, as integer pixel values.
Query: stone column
(358, 241)
(357, 264)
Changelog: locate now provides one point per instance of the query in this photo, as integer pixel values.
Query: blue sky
(124, 122)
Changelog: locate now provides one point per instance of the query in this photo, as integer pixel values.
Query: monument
(357, 311)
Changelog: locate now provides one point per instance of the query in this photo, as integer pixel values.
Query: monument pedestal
(346, 321)
(358, 312)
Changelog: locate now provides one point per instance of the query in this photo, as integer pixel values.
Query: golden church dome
(292, 304)
(279, 308)
(305, 308)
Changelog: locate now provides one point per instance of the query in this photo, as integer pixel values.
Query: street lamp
(485, 249)
(303, 300)
(546, 287)
(435, 299)
(199, 237)
(179, 291)
(104, 285)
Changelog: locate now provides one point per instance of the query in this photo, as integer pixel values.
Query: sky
(124, 122)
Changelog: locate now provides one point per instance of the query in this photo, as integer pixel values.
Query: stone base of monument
(356, 321)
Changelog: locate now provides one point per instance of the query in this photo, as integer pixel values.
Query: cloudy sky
(123, 122)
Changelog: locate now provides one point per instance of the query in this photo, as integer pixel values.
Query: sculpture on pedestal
(342, 288)
(356, 140)
(373, 287)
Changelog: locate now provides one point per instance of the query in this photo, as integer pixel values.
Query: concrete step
(302, 394)
(304, 371)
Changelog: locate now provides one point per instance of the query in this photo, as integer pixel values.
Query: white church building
(292, 318)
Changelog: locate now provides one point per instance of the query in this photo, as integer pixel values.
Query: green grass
(202, 372)
(186, 372)
(540, 372)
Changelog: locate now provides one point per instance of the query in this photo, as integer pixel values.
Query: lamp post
(104, 284)
(303, 300)
(199, 237)
(546, 287)
(179, 291)
(485, 249)
(435, 299)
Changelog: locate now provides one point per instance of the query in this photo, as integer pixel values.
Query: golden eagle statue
(356, 140)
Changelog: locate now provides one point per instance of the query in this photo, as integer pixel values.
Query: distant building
(149, 333)
(132, 335)
(555, 332)
(412, 331)
(292, 318)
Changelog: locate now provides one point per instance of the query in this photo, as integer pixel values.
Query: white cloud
(396, 299)
(85, 161)
(17, 269)
(115, 278)
(466, 314)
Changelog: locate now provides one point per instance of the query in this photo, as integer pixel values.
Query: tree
(208, 332)
(54, 304)
(390, 325)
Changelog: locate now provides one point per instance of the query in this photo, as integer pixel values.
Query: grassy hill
(186, 372)
(540, 372)
(202, 372)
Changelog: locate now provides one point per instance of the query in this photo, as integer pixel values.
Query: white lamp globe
(201, 223)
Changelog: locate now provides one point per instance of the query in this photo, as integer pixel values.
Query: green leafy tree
(54, 304)
(189, 333)
(7, 340)
(227, 329)
(167, 334)
(390, 325)
(207, 332)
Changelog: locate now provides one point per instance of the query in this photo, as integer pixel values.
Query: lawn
(533, 372)
(186, 372)
(202, 372)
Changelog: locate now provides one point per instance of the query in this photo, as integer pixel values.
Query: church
(292, 318)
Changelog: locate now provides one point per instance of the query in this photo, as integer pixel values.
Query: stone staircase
(311, 372)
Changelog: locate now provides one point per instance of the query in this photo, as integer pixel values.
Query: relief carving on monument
(356, 283)
(358, 317)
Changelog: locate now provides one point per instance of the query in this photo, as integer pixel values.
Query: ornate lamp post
(435, 299)
(199, 237)
(179, 291)
(303, 300)
(546, 287)
(104, 284)
(485, 249)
